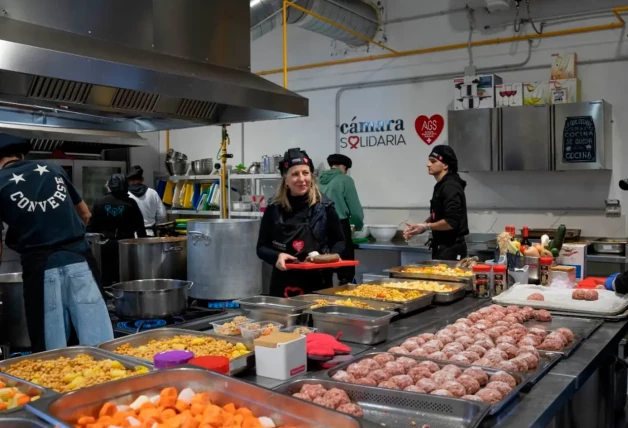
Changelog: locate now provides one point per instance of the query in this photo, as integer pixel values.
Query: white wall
(512, 195)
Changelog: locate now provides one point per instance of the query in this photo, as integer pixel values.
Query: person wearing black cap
(147, 199)
(340, 189)
(448, 208)
(298, 221)
(116, 216)
(46, 225)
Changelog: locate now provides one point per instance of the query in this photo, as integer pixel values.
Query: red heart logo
(298, 245)
(354, 141)
(429, 128)
(292, 291)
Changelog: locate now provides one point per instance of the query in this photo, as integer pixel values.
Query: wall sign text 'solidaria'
(376, 133)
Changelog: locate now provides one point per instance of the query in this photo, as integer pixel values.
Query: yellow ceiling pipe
(580, 30)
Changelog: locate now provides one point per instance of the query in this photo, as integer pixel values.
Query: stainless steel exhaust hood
(131, 66)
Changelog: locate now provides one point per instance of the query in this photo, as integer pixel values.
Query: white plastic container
(251, 333)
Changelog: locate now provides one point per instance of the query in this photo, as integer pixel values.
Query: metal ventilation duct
(356, 15)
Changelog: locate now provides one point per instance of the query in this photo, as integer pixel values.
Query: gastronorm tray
(20, 422)
(365, 326)
(583, 327)
(73, 351)
(611, 318)
(405, 307)
(375, 304)
(401, 409)
(494, 408)
(236, 365)
(561, 300)
(439, 296)
(63, 411)
(25, 387)
(397, 272)
(288, 312)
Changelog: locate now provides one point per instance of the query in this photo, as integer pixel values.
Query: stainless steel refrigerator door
(473, 136)
(583, 136)
(525, 138)
(90, 177)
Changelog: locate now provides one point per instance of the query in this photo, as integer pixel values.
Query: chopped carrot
(94, 426)
(202, 398)
(2, 384)
(190, 422)
(244, 412)
(197, 409)
(252, 422)
(108, 409)
(168, 397)
(105, 420)
(148, 405)
(181, 406)
(150, 414)
(229, 408)
(3, 405)
(86, 420)
(168, 414)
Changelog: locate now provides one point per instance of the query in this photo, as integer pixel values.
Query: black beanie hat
(294, 157)
(446, 155)
(10, 144)
(135, 173)
(118, 185)
(338, 159)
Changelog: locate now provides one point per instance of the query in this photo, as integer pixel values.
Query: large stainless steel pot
(222, 259)
(14, 331)
(153, 258)
(150, 298)
(95, 240)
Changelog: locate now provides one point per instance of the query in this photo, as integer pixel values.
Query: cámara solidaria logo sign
(372, 133)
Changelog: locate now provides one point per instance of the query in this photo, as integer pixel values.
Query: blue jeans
(71, 295)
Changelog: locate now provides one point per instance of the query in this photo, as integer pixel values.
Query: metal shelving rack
(255, 180)
(197, 179)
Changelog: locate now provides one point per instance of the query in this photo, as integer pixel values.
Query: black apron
(444, 246)
(346, 274)
(33, 274)
(298, 240)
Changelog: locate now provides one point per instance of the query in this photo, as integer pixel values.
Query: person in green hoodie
(340, 188)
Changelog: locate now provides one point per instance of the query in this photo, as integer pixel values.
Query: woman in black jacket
(298, 221)
(116, 216)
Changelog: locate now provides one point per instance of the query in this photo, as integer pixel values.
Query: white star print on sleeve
(41, 169)
(17, 178)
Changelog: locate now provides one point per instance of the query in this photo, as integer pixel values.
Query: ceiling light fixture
(255, 2)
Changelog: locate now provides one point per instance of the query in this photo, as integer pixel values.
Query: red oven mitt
(324, 347)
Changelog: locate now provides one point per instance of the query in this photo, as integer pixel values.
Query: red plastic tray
(591, 282)
(313, 266)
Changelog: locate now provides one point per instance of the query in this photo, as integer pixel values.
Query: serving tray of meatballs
(577, 301)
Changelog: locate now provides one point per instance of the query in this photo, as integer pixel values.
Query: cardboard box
(509, 95)
(564, 65)
(574, 255)
(475, 91)
(564, 91)
(280, 355)
(536, 93)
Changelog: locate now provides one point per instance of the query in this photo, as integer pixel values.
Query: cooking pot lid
(168, 359)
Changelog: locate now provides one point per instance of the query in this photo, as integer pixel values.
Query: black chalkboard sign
(579, 144)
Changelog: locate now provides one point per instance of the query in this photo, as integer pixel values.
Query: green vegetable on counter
(560, 237)
(555, 252)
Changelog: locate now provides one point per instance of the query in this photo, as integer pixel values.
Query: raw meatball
(419, 352)
(442, 377)
(520, 364)
(477, 349)
(370, 363)
(431, 365)
(445, 339)
(538, 332)
(426, 336)
(512, 309)
(503, 388)
(407, 363)
(455, 388)
(414, 388)
(465, 341)
(303, 397)
(464, 321)
(444, 333)
(482, 325)
(516, 334)
(542, 315)
(451, 327)
(497, 353)
(558, 336)
(519, 316)
(409, 345)
(388, 385)
(502, 323)
(498, 308)
(380, 375)
(530, 339)
(449, 353)
(351, 409)
(591, 295)
(472, 332)
(495, 332)
(508, 365)
(382, 359)
(366, 381)
(417, 373)
(324, 402)
(337, 397)
(433, 346)
(453, 369)
(505, 339)
(402, 381)
(399, 350)
(494, 317)
(527, 348)
(439, 355)
(578, 294)
(482, 336)
(531, 359)
(416, 340)
(313, 391)
(518, 326)
(442, 392)
(541, 326)
(471, 385)
(477, 374)
(485, 362)
(427, 385)
(502, 376)
(474, 317)
(343, 376)
(393, 368)
(567, 334)
(490, 396)
(461, 333)
(471, 398)
(551, 344)
(511, 318)
(470, 355)
(486, 311)
(536, 296)
(460, 359)
(510, 350)
(358, 371)
(455, 347)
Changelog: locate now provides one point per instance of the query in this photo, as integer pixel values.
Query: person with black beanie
(448, 208)
(298, 222)
(116, 216)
